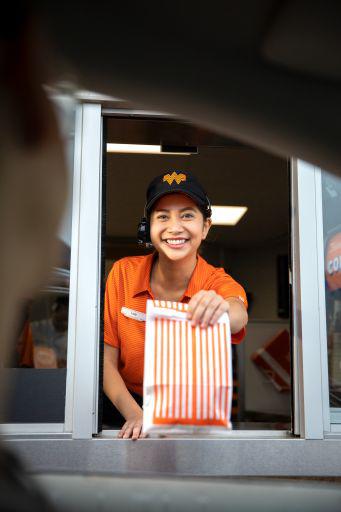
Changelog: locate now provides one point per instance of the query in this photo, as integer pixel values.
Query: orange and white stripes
(187, 374)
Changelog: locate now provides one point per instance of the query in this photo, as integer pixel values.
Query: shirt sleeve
(111, 308)
(228, 288)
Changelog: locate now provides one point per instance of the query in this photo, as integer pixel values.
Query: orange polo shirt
(128, 287)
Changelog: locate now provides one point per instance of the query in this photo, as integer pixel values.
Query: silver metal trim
(98, 298)
(88, 275)
(230, 434)
(298, 410)
(322, 301)
(197, 457)
(76, 201)
(309, 295)
(27, 436)
(31, 428)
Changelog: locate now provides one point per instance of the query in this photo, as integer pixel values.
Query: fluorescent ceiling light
(142, 149)
(227, 215)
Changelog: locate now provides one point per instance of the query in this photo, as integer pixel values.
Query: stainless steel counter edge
(195, 457)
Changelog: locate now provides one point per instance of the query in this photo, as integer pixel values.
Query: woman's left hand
(206, 307)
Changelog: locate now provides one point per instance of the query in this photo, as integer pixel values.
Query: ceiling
(265, 72)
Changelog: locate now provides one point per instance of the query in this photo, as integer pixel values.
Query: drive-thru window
(285, 251)
(254, 250)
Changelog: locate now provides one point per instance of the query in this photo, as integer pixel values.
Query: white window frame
(310, 366)
(82, 383)
(310, 334)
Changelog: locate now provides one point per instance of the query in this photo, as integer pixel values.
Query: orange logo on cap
(174, 177)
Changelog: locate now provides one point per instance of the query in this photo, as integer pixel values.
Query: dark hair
(205, 213)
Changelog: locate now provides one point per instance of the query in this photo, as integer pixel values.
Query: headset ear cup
(148, 240)
(143, 232)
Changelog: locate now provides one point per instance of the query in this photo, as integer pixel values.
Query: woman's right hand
(118, 394)
(132, 428)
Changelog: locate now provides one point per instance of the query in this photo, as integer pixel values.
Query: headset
(143, 228)
(143, 232)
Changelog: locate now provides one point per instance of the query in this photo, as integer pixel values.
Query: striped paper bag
(187, 372)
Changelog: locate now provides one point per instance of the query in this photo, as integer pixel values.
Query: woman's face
(177, 226)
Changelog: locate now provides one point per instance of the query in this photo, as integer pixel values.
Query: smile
(175, 242)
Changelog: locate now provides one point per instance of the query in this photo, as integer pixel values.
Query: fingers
(194, 302)
(206, 307)
(122, 431)
(210, 311)
(198, 305)
(136, 431)
(218, 312)
(128, 431)
(131, 429)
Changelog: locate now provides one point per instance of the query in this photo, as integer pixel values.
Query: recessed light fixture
(227, 215)
(149, 149)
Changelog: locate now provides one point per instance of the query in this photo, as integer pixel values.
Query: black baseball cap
(177, 181)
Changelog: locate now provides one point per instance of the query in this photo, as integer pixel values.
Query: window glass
(38, 363)
(255, 251)
(331, 200)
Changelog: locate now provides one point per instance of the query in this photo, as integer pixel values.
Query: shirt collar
(195, 284)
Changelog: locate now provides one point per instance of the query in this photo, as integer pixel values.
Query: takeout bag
(187, 372)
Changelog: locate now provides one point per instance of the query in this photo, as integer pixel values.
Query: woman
(177, 221)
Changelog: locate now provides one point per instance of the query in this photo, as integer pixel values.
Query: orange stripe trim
(227, 374)
(220, 396)
(155, 371)
(201, 383)
(168, 370)
(208, 376)
(174, 370)
(193, 376)
(180, 372)
(224, 394)
(161, 369)
(214, 372)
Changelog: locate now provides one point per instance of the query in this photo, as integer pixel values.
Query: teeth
(176, 242)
